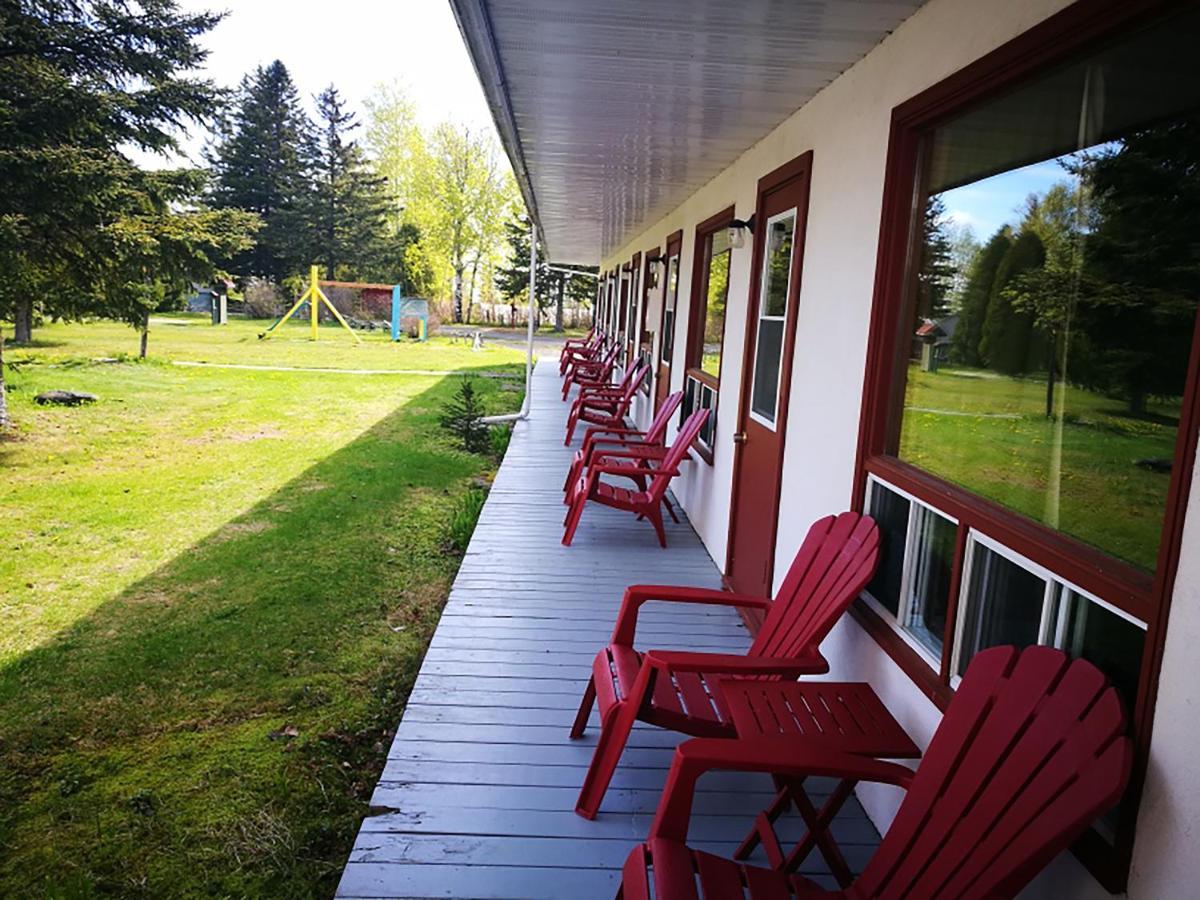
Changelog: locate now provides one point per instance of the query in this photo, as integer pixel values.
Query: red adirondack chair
(605, 407)
(650, 445)
(642, 503)
(1030, 752)
(573, 351)
(591, 373)
(675, 690)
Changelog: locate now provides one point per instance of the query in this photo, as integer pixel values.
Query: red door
(766, 376)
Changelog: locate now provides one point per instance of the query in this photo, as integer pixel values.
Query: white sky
(356, 44)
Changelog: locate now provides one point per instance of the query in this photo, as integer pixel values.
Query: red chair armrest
(777, 756)
(638, 594)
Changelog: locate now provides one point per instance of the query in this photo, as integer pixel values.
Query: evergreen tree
(79, 80)
(1008, 344)
(1142, 274)
(936, 274)
(974, 304)
(264, 165)
(350, 200)
(512, 280)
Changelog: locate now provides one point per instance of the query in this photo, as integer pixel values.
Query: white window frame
(794, 214)
(1053, 600)
(896, 622)
(1052, 624)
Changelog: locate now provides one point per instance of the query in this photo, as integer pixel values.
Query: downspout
(524, 413)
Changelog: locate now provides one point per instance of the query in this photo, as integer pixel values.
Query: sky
(986, 205)
(355, 44)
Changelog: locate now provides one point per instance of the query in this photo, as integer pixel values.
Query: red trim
(1078, 28)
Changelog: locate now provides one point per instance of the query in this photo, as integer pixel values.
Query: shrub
(463, 415)
(263, 299)
(499, 436)
(463, 520)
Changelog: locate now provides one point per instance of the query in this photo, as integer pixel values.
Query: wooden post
(313, 294)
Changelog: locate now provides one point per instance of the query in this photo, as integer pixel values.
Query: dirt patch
(266, 433)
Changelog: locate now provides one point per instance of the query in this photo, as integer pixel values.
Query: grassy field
(216, 586)
(990, 434)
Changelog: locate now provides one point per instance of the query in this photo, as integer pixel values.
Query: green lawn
(216, 586)
(990, 434)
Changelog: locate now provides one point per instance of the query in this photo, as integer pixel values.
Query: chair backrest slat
(687, 433)
(836, 560)
(657, 432)
(1030, 751)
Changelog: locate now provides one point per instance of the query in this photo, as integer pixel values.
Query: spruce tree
(936, 274)
(349, 200)
(264, 164)
(79, 81)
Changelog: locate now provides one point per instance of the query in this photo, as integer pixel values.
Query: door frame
(800, 167)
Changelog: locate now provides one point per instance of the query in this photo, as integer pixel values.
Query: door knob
(740, 437)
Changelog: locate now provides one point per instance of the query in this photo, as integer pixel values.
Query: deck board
(477, 796)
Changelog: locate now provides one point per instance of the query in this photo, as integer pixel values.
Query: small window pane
(764, 395)
(890, 512)
(929, 587)
(778, 266)
(1111, 642)
(1004, 605)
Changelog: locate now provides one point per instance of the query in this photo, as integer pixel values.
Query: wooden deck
(478, 794)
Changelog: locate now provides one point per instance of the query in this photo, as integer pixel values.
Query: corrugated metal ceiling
(614, 112)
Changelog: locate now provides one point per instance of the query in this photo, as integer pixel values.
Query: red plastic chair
(574, 351)
(605, 407)
(1030, 752)
(648, 445)
(642, 503)
(591, 373)
(675, 690)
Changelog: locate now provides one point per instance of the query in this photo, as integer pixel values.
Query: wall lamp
(737, 231)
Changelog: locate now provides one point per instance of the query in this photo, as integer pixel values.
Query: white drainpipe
(524, 413)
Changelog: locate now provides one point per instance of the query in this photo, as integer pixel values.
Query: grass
(990, 434)
(217, 586)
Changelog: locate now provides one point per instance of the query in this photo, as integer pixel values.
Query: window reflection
(716, 293)
(1004, 605)
(1056, 287)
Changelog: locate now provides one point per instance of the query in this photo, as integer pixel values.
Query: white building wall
(847, 126)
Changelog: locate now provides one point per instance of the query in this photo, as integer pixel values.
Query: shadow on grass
(218, 726)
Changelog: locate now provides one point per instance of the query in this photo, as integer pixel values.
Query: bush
(463, 415)
(263, 299)
(465, 517)
(499, 436)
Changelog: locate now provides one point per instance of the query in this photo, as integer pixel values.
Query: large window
(706, 324)
(1022, 441)
(705, 343)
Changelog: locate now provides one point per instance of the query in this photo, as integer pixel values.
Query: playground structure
(402, 307)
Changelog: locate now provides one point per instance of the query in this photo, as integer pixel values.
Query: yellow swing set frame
(314, 296)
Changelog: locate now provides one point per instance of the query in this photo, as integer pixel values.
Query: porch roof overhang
(613, 113)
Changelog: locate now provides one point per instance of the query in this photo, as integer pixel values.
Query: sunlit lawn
(990, 434)
(216, 586)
